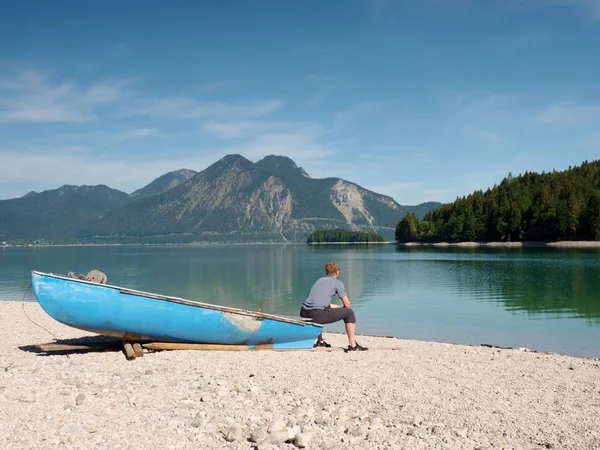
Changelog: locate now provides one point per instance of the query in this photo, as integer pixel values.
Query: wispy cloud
(190, 108)
(588, 9)
(31, 96)
(243, 128)
(348, 116)
(483, 134)
(293, 139)
(54, 167)
(253, 128)
(413, 190)
(143, 133)
(298, 146)
(563, 114)
(325, 86)
(591, 142)
(321, 77)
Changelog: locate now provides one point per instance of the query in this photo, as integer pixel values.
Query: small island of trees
(555, 206)
(340, 235)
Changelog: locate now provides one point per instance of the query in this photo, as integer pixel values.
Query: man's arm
(346, 301)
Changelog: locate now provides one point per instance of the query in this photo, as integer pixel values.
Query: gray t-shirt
(322, 292)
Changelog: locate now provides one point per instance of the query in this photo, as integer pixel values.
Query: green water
(542, 299)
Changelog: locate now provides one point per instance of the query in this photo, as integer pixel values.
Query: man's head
(332, 268)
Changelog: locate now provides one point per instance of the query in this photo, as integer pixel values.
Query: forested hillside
(553, 206)
(343, 235)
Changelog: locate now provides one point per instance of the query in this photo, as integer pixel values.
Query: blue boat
(141, 316)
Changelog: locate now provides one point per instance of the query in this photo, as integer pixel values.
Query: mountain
(164, 183)
(56, 214)
(234, 199)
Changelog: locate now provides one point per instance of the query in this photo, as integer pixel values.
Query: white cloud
(31, 97)
(189, 108)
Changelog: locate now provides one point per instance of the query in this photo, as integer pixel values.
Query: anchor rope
(30, 319)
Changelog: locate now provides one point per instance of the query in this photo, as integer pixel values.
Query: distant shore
(534, 244)
(558, 244)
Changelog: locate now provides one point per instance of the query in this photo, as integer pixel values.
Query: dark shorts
(329, 315)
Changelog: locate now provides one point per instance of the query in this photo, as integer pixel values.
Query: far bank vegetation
(343, 236)
(554, 206)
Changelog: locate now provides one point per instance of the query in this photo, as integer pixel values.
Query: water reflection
(276, 276)
(552, 283)
(537, 298)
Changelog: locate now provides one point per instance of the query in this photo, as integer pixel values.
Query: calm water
(542, 299)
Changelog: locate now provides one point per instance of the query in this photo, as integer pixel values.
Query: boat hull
(142, 316)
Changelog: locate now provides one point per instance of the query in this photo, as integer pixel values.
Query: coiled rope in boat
(95, 276)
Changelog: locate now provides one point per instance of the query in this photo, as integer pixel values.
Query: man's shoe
(321, 344)
(357, 348)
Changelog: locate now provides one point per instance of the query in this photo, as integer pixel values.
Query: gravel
(423, 396)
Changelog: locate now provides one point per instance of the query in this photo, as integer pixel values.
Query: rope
(94, 275)
(30, 319)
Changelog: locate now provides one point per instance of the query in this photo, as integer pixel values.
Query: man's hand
(345, 301)
(333, 306)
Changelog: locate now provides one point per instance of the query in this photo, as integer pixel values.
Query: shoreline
(33, 301)
(422, 395)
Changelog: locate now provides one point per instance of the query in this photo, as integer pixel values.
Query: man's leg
(351, 332)
(347, 315)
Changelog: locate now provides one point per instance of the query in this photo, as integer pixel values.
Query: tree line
(342, 235)
(554, 206)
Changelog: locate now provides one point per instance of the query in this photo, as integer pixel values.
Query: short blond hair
(331, 268)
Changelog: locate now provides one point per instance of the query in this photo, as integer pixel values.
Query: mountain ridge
(232, 200)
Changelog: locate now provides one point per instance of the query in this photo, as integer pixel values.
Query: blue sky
(420, 100)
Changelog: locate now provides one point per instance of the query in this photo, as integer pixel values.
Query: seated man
(318, 306)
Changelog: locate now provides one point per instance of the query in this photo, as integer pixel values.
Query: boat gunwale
(182, 301)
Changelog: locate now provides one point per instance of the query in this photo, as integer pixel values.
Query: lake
(541, 299)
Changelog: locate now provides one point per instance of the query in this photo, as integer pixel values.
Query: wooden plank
(57, 347)
(223, 347)
(190, 346)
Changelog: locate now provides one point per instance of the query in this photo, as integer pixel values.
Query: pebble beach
(400, 394)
